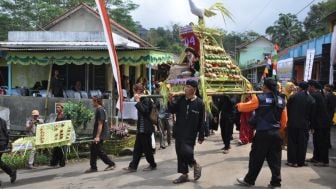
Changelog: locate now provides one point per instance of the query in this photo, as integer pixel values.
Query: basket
(115, 145)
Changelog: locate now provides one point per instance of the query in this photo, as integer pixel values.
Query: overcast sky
(254, 15)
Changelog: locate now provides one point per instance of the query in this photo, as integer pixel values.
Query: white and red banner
(111, 49)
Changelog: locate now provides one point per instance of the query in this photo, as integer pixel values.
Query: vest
(269, 112)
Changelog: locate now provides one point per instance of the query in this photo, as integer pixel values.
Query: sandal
(291, 164)
(197, 171)
(181, 179)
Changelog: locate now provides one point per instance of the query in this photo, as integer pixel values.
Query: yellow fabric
(289, 89)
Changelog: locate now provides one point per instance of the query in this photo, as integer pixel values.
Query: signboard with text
(54, 134)
(309, 64)
(189, 38)
(285, 69)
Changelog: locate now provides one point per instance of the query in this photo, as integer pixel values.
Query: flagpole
(111, 50)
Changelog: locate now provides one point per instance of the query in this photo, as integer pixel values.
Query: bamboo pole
(208, 93)
(48, 89)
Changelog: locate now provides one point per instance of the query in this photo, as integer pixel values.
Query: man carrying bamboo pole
(189, 110)
(270, 116)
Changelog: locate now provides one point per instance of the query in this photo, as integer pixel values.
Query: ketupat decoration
(218, 75)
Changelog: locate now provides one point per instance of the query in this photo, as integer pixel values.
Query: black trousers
(58, 156)
(164, 130)
(96, 150)
(297, 145)
(265, 145)
(143, 144)
(185, 155)
(226, 127)
(3, 166)
(321, 145)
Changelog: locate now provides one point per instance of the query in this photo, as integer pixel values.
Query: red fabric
(246, 132)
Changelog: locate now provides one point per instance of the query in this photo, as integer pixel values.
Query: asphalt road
(219, 171)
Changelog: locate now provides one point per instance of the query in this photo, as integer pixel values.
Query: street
(219, 171)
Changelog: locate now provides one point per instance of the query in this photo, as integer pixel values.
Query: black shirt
(300, 110)
(320, 119)
(190, 118)
(144, 125)
(101, 116)
(56, 87)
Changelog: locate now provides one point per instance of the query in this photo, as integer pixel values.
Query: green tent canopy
(125, 57)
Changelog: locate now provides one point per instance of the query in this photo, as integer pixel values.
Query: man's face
(35, 117)
(58, 109)
(189, 90)
(311, 88)
(94, 103)
(138, 91)
(326, 89)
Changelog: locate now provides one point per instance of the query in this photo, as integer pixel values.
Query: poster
(285, 69)
(309, 64)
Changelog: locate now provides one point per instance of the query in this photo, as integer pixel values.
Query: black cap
(303, 85)
(189, 49)
(192, 83)
(314, 83)
(270, 83)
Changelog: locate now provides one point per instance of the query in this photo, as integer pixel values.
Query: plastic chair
(16, 92)
(93, 93)
(70, 93)
(77, 95)
(99, 93)
(44, 93)
(84, 94)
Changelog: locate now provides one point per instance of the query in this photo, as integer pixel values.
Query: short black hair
(98, 99)
(314, 83)
(271, 84)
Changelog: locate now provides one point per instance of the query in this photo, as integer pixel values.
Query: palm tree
(286, 31)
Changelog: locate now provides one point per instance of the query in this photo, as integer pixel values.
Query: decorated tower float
(205, 60)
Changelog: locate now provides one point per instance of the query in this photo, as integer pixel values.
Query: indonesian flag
(111, 49)
(268, 66)
(275, 60)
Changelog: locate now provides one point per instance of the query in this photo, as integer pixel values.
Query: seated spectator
(78, 86)
(37, 86)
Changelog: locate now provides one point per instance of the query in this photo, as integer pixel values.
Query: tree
(286, 31)
(166, 39)
(314, 24)
(27, 15)
(120, 12)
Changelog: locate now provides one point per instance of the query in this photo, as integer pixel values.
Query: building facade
(252, 58)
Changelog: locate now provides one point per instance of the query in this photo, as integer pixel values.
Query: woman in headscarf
(288, 92)
(289, 89)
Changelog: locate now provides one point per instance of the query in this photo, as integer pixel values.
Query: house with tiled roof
(75, 45)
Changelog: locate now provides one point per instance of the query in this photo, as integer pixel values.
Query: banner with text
(309, 64)
(54, 134)
(285, 69)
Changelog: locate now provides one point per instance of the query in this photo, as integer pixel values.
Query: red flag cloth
(111, 49)
(276, 47)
